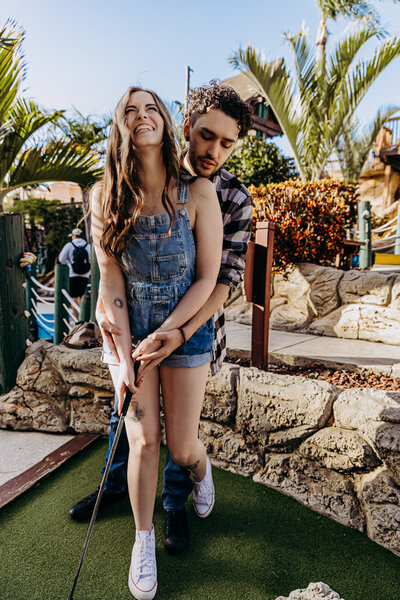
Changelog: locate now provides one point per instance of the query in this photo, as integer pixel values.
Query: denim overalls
(159, 269)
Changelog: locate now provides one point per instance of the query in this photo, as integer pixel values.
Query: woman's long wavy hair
(122, 197)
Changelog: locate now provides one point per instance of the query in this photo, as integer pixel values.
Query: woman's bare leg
(183, 395)
(142, 424)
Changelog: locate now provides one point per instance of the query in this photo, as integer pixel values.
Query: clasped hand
(150, 352)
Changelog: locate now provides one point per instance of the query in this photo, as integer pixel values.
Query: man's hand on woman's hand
(155, 348)
(107, 329)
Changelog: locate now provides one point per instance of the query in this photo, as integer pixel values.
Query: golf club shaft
(125, 407)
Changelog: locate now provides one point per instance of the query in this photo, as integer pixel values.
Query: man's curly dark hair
(222, 97)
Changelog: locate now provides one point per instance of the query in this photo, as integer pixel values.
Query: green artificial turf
(256, 545)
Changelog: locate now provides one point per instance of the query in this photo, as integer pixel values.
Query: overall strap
(183, 191)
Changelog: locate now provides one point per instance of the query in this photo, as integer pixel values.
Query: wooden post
(257, 281)
(61, 281)
(364, 228)
(13, 322)
(95, 282)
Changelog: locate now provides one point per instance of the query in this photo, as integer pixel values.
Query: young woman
(154, 277)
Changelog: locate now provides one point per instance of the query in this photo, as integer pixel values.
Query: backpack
(80, 260)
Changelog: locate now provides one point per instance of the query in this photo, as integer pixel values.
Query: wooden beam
(23, 482)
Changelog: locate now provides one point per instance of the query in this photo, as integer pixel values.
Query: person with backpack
(76, 255)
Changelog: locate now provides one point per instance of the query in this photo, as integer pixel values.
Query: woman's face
(144, 120)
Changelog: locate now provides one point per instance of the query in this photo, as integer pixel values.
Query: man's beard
(195, 161)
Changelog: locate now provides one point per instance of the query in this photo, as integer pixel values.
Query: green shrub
(256, 162)
(310, 219)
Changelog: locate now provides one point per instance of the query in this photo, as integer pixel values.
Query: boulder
(363, 322)
(315, 591)
(375, 414)
(25, 410)
(381, 500)
(323, 293)
(229, 450)
(80, 366)
(327, 492)
(240, 311)
(293, 287)
(287, 440)
(220, 397)
(342, 322)
(366, 287)
(268, 402)
(339, 449)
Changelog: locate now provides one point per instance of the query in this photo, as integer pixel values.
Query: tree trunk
(322, 36)
(86, 209)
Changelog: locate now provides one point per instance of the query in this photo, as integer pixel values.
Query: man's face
(212, 137)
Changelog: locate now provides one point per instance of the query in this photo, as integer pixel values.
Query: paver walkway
(302, 349)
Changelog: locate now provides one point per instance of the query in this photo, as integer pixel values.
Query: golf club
(125, 406)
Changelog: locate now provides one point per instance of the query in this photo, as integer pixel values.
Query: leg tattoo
(192, 468)
(137, 412)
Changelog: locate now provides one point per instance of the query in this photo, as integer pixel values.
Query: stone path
(20, 450)
(302, 349)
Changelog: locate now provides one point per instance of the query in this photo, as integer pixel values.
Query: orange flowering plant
(310, 218)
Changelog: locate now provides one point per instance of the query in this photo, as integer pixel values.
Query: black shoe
(176, 531)
(82, 511)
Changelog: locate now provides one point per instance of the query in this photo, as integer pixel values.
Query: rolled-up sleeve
(237, 231)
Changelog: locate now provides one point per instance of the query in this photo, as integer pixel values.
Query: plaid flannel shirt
(237, 209)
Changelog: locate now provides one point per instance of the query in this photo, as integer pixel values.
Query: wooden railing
(392, 137)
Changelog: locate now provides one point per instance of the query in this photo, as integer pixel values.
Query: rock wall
(362, 305)
(337, 452)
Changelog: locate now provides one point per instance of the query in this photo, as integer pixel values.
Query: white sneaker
(143, 572)
(204, 494)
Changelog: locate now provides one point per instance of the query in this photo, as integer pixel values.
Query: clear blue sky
(86, 53)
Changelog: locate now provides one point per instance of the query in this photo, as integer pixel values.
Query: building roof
(243, 85)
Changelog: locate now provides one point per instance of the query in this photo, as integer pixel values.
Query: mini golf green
(256, 545)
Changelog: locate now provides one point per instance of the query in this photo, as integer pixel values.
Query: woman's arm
(208, 233)
(113, 295)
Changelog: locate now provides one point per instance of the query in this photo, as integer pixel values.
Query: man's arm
(63, 256)
(171, 340)
(237, 212)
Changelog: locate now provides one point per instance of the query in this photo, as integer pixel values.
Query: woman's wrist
(183, 333)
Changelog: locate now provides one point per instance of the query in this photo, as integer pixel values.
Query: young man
(76, 255)
(216, 118)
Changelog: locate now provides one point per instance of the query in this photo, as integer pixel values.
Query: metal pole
(188, 71)
(32, 322)
(364, 228)
(61, 282)
(397, 238)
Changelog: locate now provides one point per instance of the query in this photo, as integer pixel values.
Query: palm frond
(56, 162)
(272, 81)
(12, 71)
(354, 146)
(359, 81)
(25, 118)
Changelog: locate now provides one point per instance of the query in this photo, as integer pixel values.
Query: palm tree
(360, 10)
(354, 145)
(24, 162)
(312, 106)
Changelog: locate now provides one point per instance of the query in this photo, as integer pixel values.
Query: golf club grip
(128, 394)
